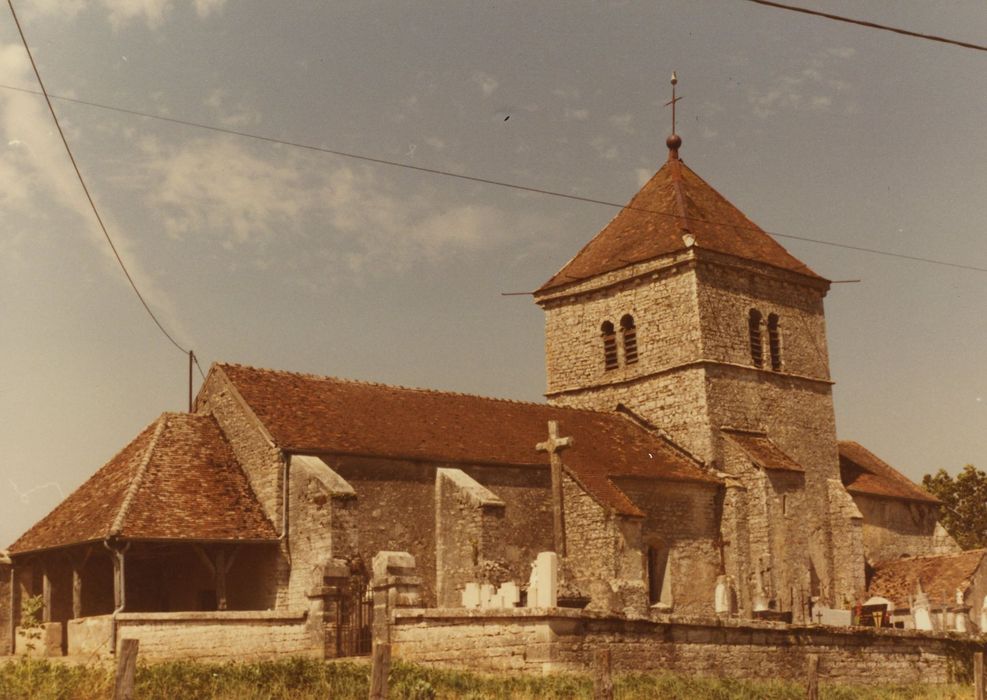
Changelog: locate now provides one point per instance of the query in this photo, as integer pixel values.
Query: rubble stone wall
(682, 517)
(395, 504)
(533, 641)
(895, 528)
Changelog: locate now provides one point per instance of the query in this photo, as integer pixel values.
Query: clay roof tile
(310, 413)
(674, 201)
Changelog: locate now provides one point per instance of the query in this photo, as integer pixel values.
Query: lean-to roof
(863, 472)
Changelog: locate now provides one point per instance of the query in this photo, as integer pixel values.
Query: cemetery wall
(204, 636)
(561, 640)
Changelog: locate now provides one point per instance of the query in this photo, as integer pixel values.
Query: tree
(964, 509)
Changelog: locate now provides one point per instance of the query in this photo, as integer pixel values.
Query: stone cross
(553, 446)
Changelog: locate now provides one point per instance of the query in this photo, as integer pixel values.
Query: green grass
(305, 679)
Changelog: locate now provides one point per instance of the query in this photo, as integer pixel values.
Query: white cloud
(248, 199)
(121, 12)
(814, 87)
(38, 170)
(487, 83)
(579, 115)
(622, 122)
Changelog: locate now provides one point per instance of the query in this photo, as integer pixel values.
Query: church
(688, 444)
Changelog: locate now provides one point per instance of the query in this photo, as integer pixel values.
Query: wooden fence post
(126, 669)
(812, 683)
(378, 672)
(978, 675)
(602, 676)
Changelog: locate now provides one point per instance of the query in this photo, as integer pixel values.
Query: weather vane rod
(675, 81)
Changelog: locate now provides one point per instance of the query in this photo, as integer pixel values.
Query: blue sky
(282, 257)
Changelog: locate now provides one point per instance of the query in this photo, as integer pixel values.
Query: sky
(279, 256)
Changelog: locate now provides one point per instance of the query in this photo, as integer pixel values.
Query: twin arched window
(755, 321)
(628, 339)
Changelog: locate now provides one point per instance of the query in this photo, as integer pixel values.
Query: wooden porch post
(117, 581)
(46, 594)
(221, 580)
(76, 591)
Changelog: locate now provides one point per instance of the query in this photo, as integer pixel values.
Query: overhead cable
(483, 180)
(870, 25)
(85, 188)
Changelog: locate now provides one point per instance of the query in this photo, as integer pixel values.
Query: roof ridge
(138, 477)
(423, 390)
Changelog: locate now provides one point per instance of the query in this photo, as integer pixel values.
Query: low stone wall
(564, 640)
(204, 636)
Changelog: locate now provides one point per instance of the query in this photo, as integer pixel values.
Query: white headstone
(920, 612)
(471, 595)
(721, 596)
(509, 594)
(832, 616)
(960, 622)
(547, 568)
(533, 586)
(487, 595)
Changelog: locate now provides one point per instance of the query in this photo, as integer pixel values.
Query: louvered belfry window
(757, 348)
(774, 341)
(628, 334)
(609, 346)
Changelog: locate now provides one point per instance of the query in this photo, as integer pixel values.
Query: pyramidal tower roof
(675, 210)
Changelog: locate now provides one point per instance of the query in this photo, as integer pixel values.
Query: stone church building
(687, 361)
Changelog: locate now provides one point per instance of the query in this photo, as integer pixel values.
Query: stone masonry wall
(260, 458)
(665, 317)
(564, 640)
(469, 536)
(604, 554)
(215, 636)
(894, 529)
(395, 506)
(684, 517)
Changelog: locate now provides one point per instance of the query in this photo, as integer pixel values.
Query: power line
(485, 181)
(85, 188)
(870, 25)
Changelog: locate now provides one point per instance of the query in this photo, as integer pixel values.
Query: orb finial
(674, 141)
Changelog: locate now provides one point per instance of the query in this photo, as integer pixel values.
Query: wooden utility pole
(554, 446)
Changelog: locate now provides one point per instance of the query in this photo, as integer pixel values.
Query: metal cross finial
(675, 81)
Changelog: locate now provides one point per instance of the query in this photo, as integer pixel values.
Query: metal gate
(354, 618)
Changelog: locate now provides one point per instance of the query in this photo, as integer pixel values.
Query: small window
(774, 341)
(628, 334)
(609, 346)
(754, 327)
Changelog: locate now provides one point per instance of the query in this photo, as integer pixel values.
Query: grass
(306, 679)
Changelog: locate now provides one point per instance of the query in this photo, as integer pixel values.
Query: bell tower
(687, 313)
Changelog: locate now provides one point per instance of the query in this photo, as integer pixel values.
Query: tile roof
(313, 414)
(178, 479)
(863, 472)
(940, 576)
(762, 452)
(674, 201)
